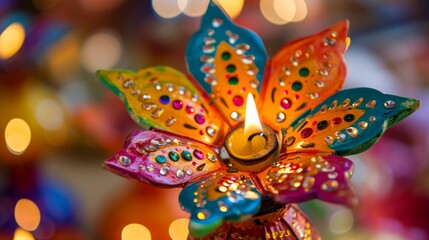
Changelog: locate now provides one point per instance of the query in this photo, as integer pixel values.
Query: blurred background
(58, 122)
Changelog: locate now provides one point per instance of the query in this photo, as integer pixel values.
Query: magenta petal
(302, 177)
(163, 159)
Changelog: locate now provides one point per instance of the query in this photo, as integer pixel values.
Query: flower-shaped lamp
(243, 166)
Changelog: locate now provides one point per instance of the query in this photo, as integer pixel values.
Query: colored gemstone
(226, 55)
(124, 160)
(186, 155)
(322, 125)
(231, 68)
(198, 154)
(233, 81)
(199, 118)
(336, 120)
(190, 109)
(349, 117)
(286, 103)
(177, 104)
(238, 101)
(297, 85)
(306, 132)
(160, 159)
(290, 141)
(173, 156)
(304, 72)
(164, 99)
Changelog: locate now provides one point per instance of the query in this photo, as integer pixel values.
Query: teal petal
(221, 197)
(217, 27)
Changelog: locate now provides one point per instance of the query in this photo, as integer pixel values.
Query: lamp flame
(252, 124)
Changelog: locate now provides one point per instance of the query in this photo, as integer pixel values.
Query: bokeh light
(102, 50)
(21, 234)
(268, 10)
(341, 221)
(178, 229)
(193, 8)
(285, 9)
(166, 8)
(17, 135)
(233, 8)
(49, 114)
(135, 231)
(27, 214)
(301, 11)
(45, 4)
(11, 40)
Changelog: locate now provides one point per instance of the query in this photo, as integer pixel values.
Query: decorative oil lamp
(242, 176)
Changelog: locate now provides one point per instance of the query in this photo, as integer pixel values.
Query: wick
(249, 139)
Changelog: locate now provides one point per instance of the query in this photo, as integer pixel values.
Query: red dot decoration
(238, 101)
(286, 103)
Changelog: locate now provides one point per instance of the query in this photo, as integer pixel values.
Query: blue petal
(213, 35)
(221, 197)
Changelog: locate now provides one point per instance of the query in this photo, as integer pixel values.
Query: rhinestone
(160, 159)
(128, 83)
(155, 142)
(389, 104)
(180, 173)
(211, 157)
(280, 117)
(254, 83)
(285, 103)
(290, 141)
(157, 86)
(208, 69)
(235, 116)
(173, 156)
(332, 175)
(210, 131)
(323, 108)
(358, 102)
(363, 125)
(150, 148)
(287, 71)
(281, 82)
(334, 104)
(157, 112)
(217, 22)
(353, 132)
(190, 109)
(371, 104)
(142, 168)
(164, 170)
(240, 49)
(148, 106)
(145, 96)
(330, 41)
(319, 84)
(170, 121)
(248, 59)
(294, 61)
(186, 155)
(209, 40)
(223, 207)
(336, 121)
(189, 172)
(181, 90)
(198, 154)
(135, 92)
(252, 71)
(124, 160)
(206, 59)
(341, 137)
(329, 140)
(345, 103)
(306, 132)
(323, 72)
(313, 96)
(372, 119)
(208, 49)
(330, 185)
(232, 37)
(349, 117)
(238, 101)
(199, 118)
(164, 99)
(149, 168)
(210, 32)
(308, 183)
